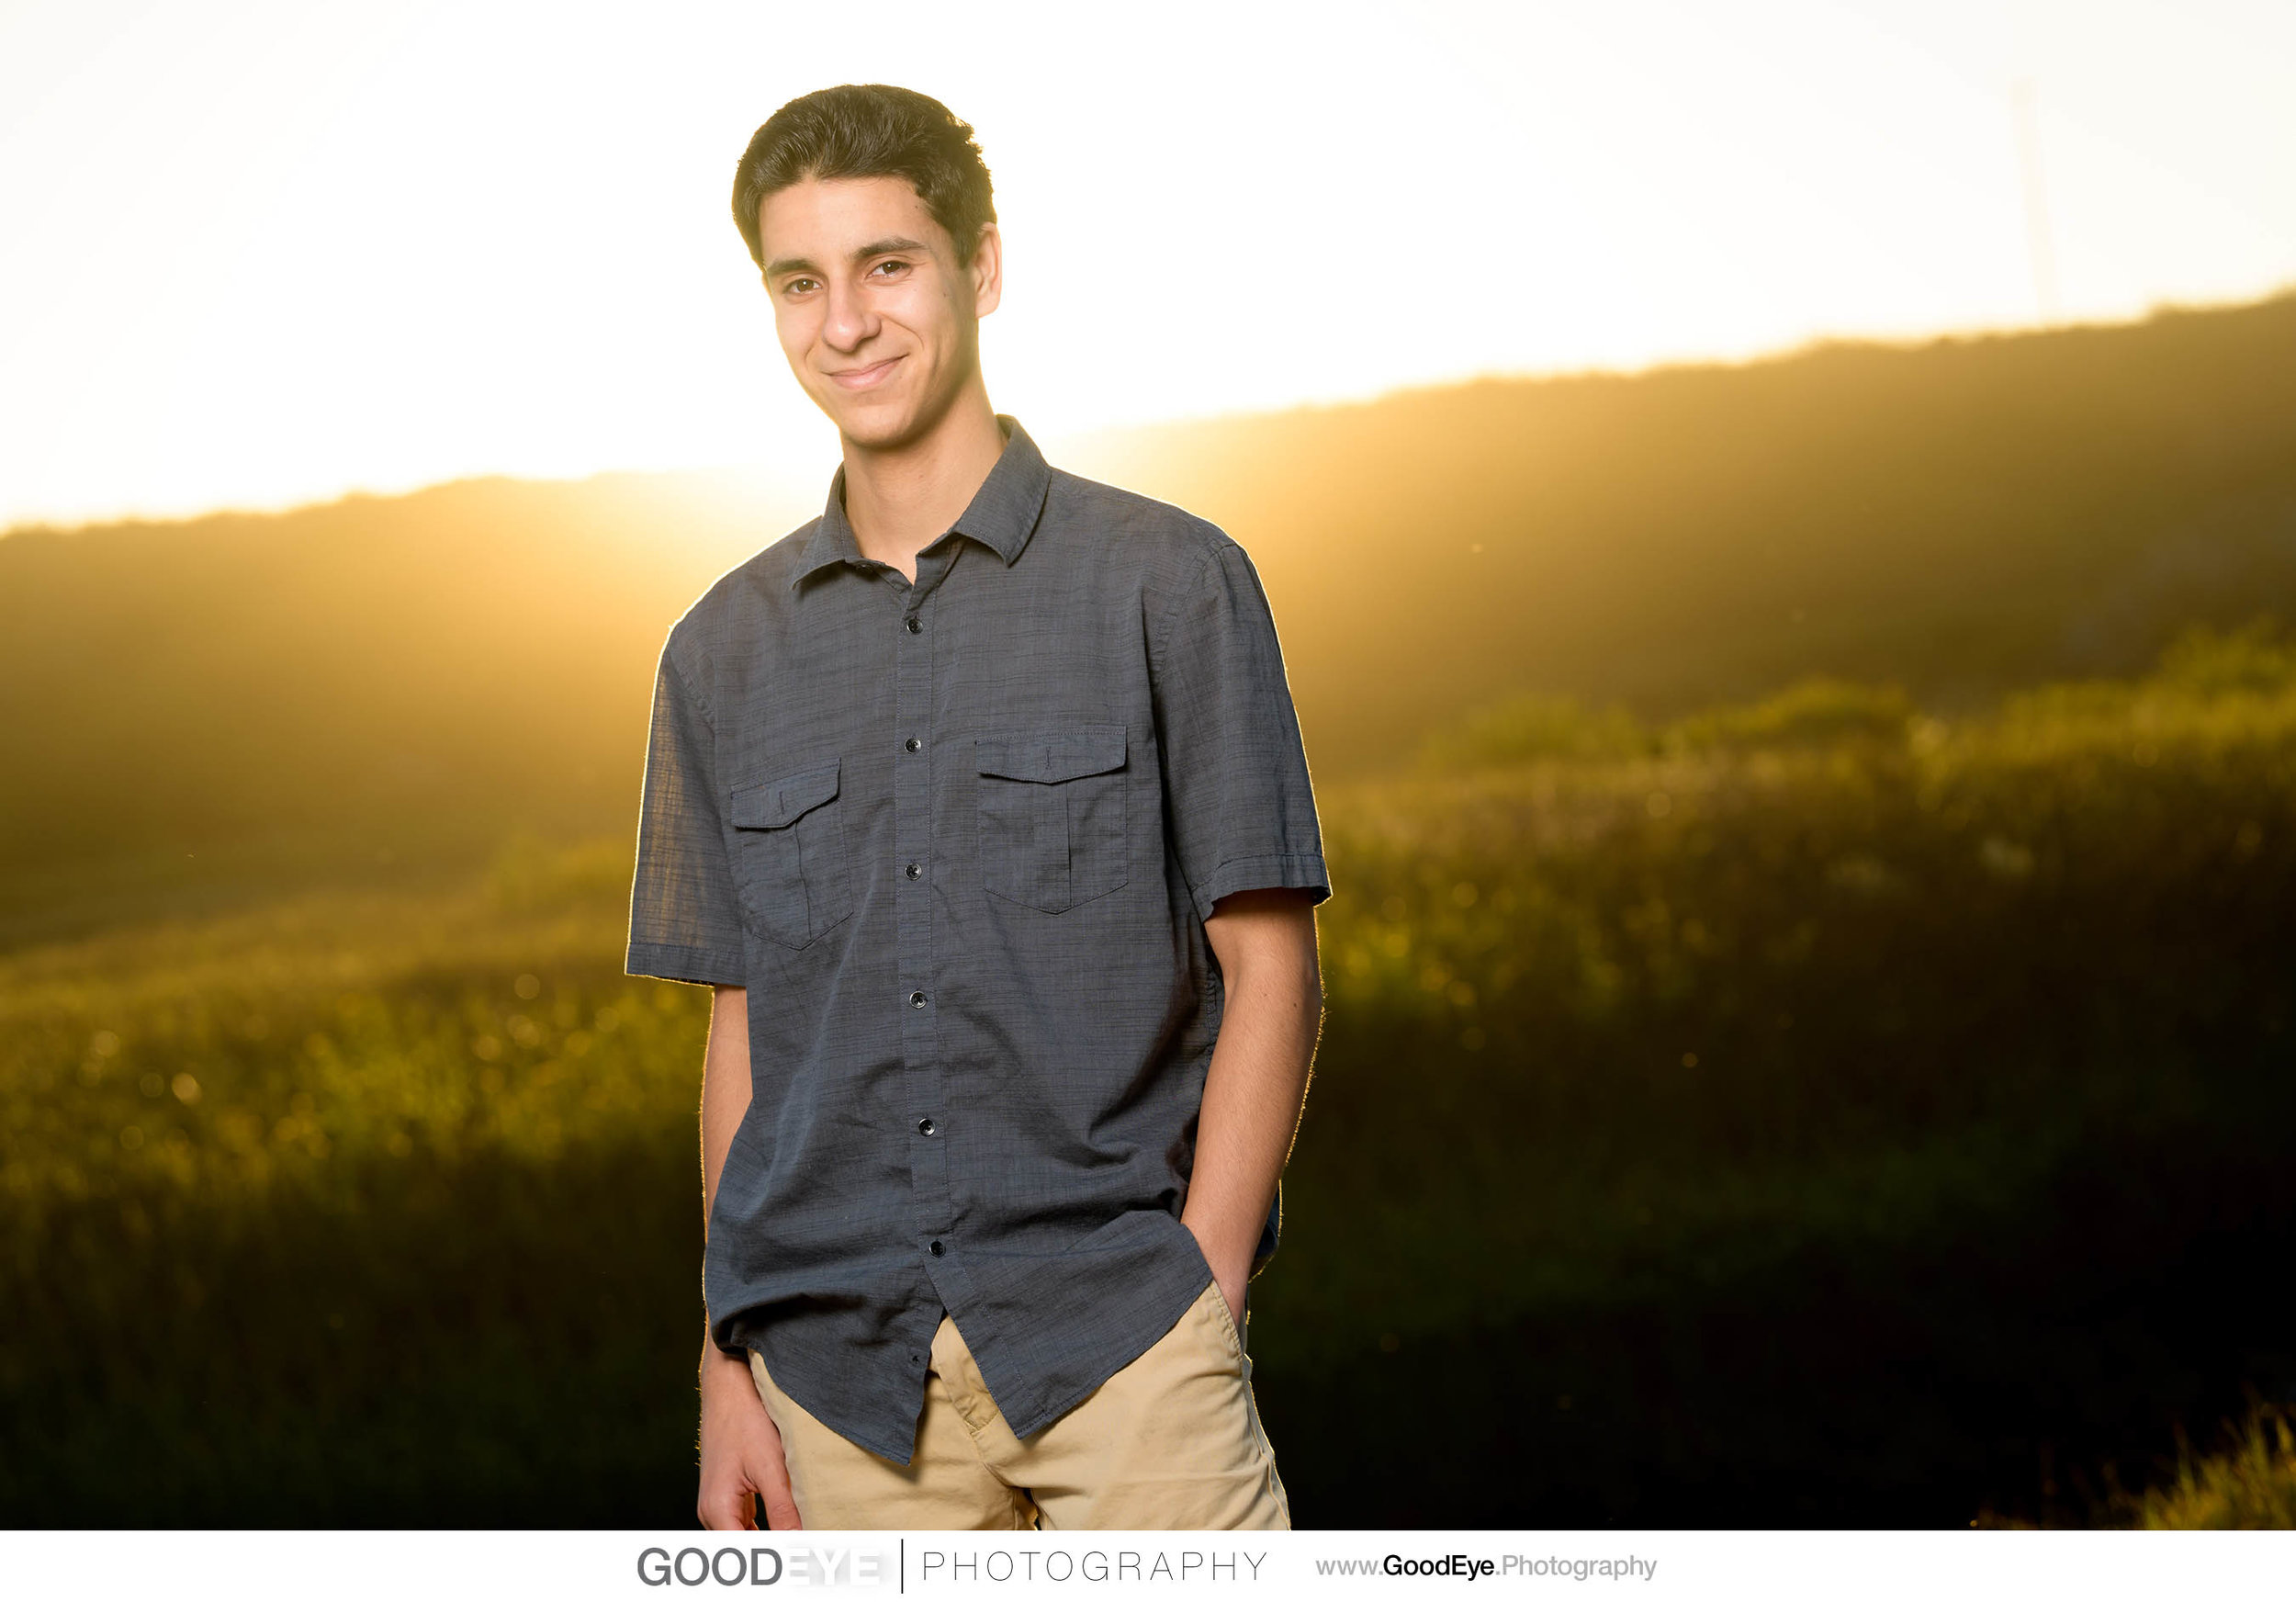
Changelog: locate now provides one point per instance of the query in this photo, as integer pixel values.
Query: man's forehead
(839, 215)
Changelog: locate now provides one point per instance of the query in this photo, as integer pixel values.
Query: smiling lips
(867, 378)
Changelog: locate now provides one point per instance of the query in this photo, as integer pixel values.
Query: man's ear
(988, 271)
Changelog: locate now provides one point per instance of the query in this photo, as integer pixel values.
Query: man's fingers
(726, 1509)
(781, 1511)
(779, 1499)
(771, 1478)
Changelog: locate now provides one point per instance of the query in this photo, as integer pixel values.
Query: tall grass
(2250, 1485)
(359, 1208)
(1897, 1042)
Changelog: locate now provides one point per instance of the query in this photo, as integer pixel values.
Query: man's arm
(741, 1450)
(1256, 1086)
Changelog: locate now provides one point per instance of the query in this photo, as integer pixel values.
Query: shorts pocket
(788, 854)
(1225, 1322)
(1052, 813)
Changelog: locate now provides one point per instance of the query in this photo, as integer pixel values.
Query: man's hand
(741, 1451)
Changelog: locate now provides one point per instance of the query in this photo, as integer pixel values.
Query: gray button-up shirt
(958, 838)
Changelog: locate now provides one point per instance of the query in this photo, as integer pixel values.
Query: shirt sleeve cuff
(686, 964)
(1264, 873)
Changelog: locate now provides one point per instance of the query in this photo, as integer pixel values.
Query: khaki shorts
(1172, 1440)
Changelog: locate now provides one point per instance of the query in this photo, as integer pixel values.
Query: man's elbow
(1268, 936)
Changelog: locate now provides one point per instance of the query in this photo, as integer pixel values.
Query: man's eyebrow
(887, 248)
(880, 247)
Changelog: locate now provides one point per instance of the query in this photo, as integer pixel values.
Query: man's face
(880, 323)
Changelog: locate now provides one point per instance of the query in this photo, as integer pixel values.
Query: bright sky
(258, 251)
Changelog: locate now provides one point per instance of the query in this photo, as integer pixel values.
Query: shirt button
(911, 743)
(925, 1126)
(912, 625)
(916, 997)
(934, 1248)
(914, 871)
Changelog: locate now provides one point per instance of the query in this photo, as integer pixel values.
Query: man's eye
(890, 268)
(796, 286)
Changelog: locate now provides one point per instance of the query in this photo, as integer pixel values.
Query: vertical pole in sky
(2037, 244)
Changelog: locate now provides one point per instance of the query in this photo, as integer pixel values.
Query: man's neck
(900, 501)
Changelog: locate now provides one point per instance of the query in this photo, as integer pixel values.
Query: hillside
(383, 681)
(1961, 517)
(370, 684)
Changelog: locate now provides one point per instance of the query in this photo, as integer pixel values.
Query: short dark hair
(868, 130)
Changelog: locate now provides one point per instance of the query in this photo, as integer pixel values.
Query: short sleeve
(1235, 774)
(685, 922)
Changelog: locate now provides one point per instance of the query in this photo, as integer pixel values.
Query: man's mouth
(867, 378)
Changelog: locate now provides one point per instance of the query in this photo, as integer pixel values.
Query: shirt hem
(683, 964)
(883, 1448)
(1052, 1410)
(1281, 869)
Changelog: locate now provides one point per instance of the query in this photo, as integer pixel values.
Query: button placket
(934, 1213)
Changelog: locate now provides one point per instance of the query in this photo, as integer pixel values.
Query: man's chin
(880, 427)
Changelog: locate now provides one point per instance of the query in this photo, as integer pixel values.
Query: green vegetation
(2249, 1486)
(1800, 985)
(1812, 712)
(1808, 1099)
(364, 1207)
(2249, 1483)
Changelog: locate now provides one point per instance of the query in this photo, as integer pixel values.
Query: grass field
(1807, 1113)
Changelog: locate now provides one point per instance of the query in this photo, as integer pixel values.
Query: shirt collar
(1003, 515)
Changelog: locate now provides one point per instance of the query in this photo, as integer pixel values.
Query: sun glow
(262, 253)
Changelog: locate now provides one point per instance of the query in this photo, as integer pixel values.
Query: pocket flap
(773, 803)
(1066, 752)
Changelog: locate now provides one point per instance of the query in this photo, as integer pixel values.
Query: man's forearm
(1257, 1081)
(724, 1100)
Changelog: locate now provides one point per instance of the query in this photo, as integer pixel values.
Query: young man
(980, 801)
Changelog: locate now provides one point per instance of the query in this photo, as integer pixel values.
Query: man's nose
(849, 321)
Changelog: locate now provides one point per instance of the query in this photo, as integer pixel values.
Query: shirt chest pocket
(1052, 813)
(788, 854)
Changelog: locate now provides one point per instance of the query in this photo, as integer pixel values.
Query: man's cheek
(798, 350)
(794, 330)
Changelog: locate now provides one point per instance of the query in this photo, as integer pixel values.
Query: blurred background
(1781, 520)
